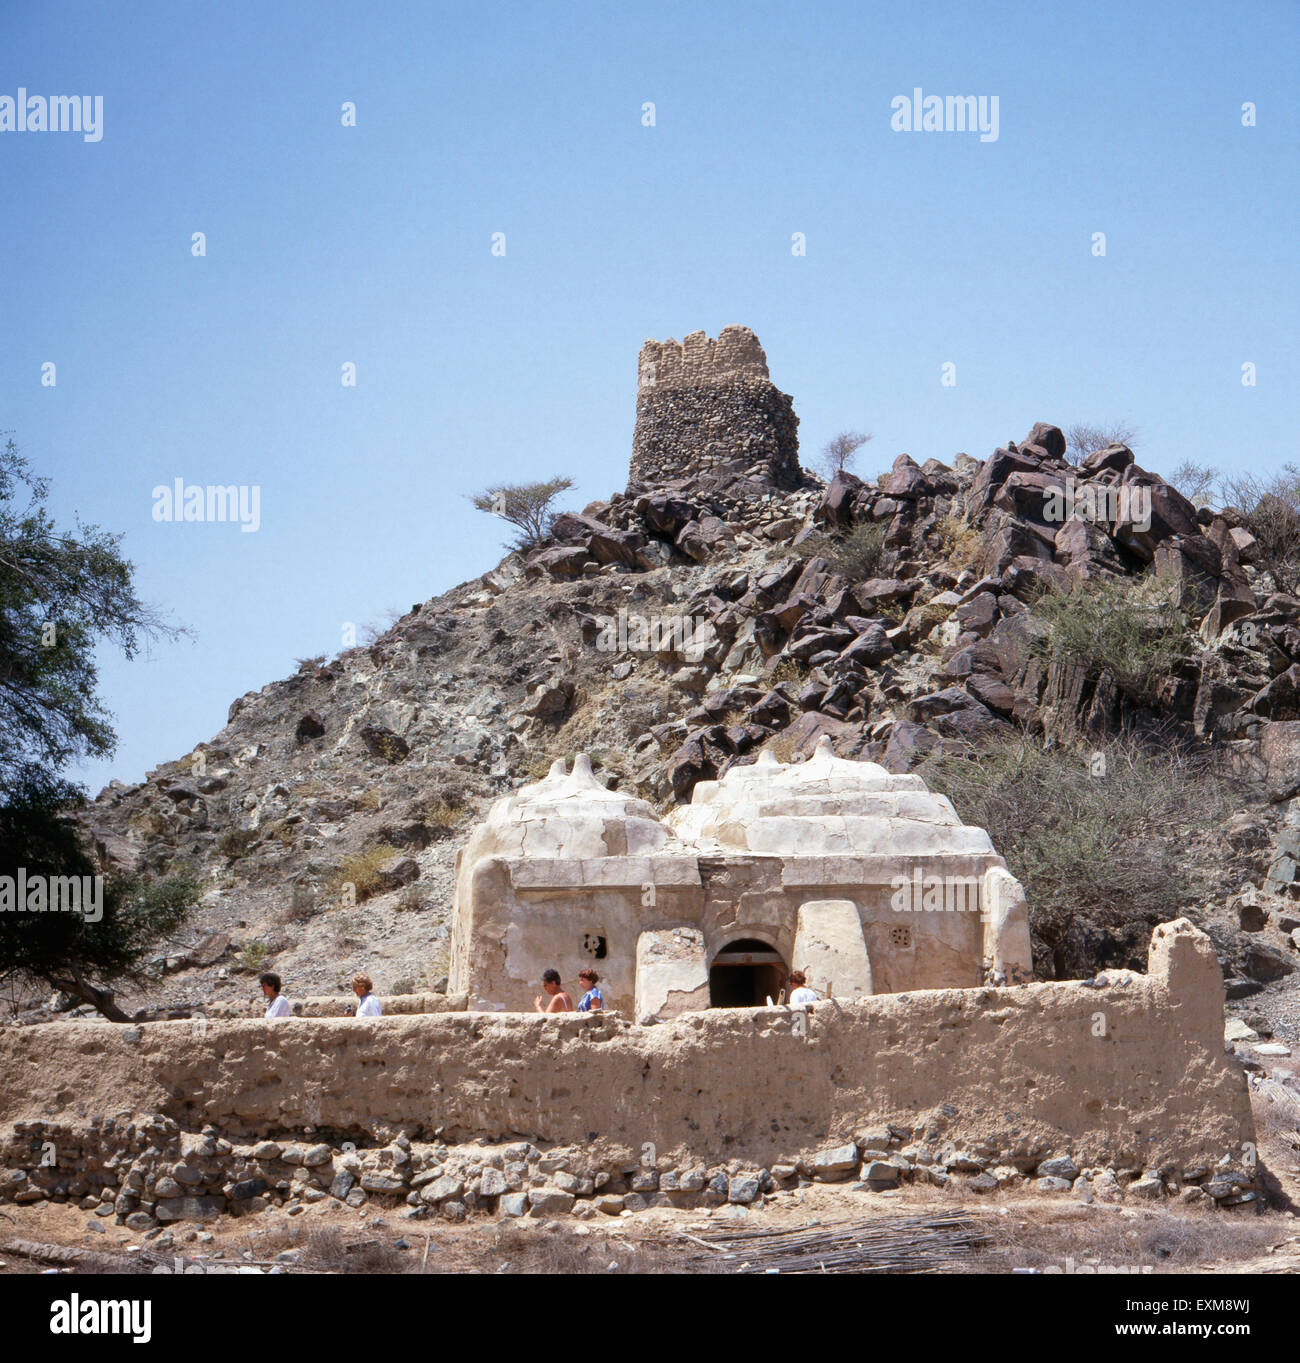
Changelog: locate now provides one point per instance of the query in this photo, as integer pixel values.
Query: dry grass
(327, 1250)
(552, 1248)
(535, 766)
(443, 813)
(234, 842)
(855, 553)
(788, 670)
(1164, 1241)
(438, 966)
(781, 746)
(961, 543)
(303, 906)
(362, 871)
(348, 929)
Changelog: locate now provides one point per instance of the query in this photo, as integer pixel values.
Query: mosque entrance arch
(745, 974)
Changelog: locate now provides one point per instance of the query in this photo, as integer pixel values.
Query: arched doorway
(745, 974)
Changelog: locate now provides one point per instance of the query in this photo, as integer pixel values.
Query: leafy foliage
(525, 505)
(855, 553)
(1107, 843)
(1130, 629)
(60, 595)
(67, 950)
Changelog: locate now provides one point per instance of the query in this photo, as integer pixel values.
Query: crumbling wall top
(699, 360)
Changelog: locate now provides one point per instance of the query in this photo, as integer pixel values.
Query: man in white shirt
(277, 1005)
(799, 991)
(369, 1006)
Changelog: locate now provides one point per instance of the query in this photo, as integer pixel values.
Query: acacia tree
(524, 505)
(62, 594)
(841, 451)
(1197, 482)
(1082, 440)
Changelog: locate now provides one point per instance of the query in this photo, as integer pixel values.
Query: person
(559, 1002)
(363, 988)
(278, 1005)
(799, 991)
(593, 999)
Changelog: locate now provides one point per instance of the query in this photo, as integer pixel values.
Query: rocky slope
(674, 630)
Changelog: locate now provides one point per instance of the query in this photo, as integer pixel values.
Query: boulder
(550, 699)
(663, 513)
(442, 1189)
(999, 466)
(560, 562)
(870, 648)
(835, 510)
(189, 1208)
(835, 1164)
(1045, 438)
(905, 480)
(1113, 457)
(396, 872)
(551, 1201)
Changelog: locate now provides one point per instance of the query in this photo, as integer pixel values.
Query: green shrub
(1107, 842)
(1130, 629)
(234, 842)
(252, 957)
(855, 553)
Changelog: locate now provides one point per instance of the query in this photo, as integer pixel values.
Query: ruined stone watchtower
(704, 404)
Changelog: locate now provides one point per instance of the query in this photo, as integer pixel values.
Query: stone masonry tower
(704, 404)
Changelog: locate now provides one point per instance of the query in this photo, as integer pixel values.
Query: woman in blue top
(593, 998)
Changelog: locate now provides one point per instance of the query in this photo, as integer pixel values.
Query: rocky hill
(682, 626)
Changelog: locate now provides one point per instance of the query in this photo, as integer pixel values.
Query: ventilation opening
(745, 974)
(593, 946)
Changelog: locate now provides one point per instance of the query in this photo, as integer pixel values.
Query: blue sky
(372, 245)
